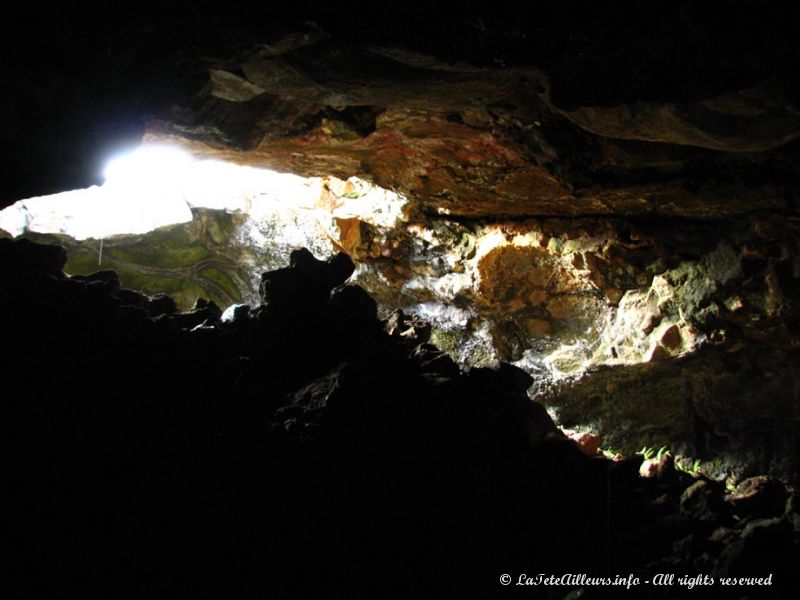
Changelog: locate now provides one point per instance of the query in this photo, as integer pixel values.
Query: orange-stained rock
(671, 338)
(589, 443)
(349, 235)
(537, 327)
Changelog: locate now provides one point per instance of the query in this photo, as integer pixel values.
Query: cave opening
(492, 291)
(169, 223)
(579, 304)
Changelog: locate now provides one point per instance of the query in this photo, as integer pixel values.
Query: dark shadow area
(307, 449)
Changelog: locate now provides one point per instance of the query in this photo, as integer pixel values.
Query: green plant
(611, 453)
(692, 467)
(646, 452)
(649, 452)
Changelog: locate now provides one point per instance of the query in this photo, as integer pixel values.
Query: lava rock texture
(299, 447)
(305, 447)
(483, 109)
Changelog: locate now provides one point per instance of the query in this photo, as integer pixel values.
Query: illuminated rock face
(650, 333)
(591, 307)
(483, 141)
(582, 203)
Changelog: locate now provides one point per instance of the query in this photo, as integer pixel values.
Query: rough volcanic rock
(311, 431)
(474, 141)
(760, 497)
(473, 110)
(563, 298)
(661, 140)
(751, 120)
(714, 406)
(661, 310)
(305, 282)
(703, 502)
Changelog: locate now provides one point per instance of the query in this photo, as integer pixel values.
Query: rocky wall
(165, 452)
(649, 333)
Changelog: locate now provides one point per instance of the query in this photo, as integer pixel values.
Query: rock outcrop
(480, 141)
(590, 307)
(177, 453)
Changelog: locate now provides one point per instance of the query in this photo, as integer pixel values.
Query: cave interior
(398, 300)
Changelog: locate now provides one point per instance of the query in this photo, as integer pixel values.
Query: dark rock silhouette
(304, 451)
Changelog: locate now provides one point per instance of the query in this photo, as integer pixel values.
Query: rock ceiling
(476, 113)
(482, 141)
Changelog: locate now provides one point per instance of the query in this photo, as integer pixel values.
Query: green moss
(218, 227)
(462, 346)
(182, 291)
(171, 260)
(160, 254)
(80, 261)
(224, 281)
(446, 341)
